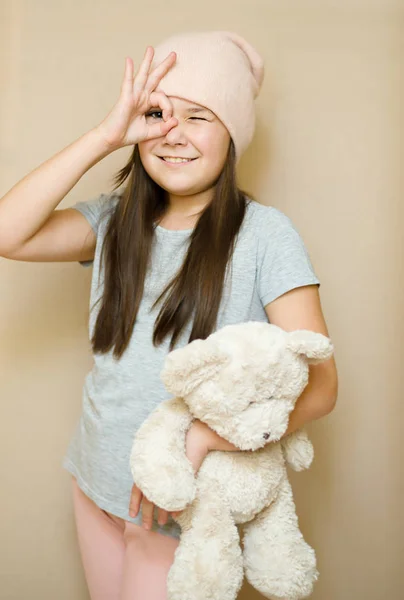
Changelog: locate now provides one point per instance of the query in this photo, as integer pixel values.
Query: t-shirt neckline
(177, 232)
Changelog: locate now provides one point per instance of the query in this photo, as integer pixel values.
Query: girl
(177, 252)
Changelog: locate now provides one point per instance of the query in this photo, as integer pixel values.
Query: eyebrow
(196, 110)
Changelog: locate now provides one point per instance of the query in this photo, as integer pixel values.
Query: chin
(178, 191)
(176, 187)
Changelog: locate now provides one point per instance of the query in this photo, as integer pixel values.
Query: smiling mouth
(178, 162)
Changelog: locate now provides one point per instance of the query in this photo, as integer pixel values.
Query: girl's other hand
(126, 124)
(137, 499)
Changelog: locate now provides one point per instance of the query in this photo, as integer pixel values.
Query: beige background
(328, 152)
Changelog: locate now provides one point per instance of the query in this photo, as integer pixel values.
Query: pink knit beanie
(219, 70)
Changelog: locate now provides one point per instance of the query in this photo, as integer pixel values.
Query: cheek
(145, 149)
(213, 144)
(150, 163)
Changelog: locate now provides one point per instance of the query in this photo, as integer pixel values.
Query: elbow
(329, 401)
(329, 405)
(329, 385)
(325, 398)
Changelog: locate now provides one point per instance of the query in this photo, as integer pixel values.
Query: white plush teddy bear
(243, 382)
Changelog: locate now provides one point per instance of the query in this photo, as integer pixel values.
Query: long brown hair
(197, 288)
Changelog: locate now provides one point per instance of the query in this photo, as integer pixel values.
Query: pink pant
(121, 560)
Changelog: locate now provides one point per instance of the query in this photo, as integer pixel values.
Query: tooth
(177, 160)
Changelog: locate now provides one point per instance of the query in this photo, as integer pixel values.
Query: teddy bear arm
(298, 450)
(158, 461)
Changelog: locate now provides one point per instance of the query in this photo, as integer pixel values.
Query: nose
(176, 135)
(267, 435)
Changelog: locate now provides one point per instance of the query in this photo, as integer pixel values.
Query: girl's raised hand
(126, 124)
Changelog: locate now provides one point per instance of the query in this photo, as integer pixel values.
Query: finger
(162, 516)
(143, 71)
(127, 83)
(158, 73)
(147, 513)
(160, 128)
(135, 500)
(162, 101)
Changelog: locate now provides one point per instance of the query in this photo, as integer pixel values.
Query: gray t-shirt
(269, 259)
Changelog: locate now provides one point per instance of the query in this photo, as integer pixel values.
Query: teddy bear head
(244, 379)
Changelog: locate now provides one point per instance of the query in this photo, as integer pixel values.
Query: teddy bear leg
(208, 562)
(277, 560)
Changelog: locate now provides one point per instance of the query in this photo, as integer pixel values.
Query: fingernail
(132, 513)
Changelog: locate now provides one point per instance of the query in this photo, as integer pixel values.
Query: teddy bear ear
(187, 367)
(315, 346)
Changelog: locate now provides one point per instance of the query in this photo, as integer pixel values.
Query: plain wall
(328, 151)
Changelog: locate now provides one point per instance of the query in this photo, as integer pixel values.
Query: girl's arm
(27, 206)
(299, 308)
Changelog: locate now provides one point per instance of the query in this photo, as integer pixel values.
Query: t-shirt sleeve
(284, 262)
(94, 210)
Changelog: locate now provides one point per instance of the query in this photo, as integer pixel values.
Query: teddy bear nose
(267, 435)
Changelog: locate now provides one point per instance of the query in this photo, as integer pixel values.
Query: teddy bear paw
(172, 489)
